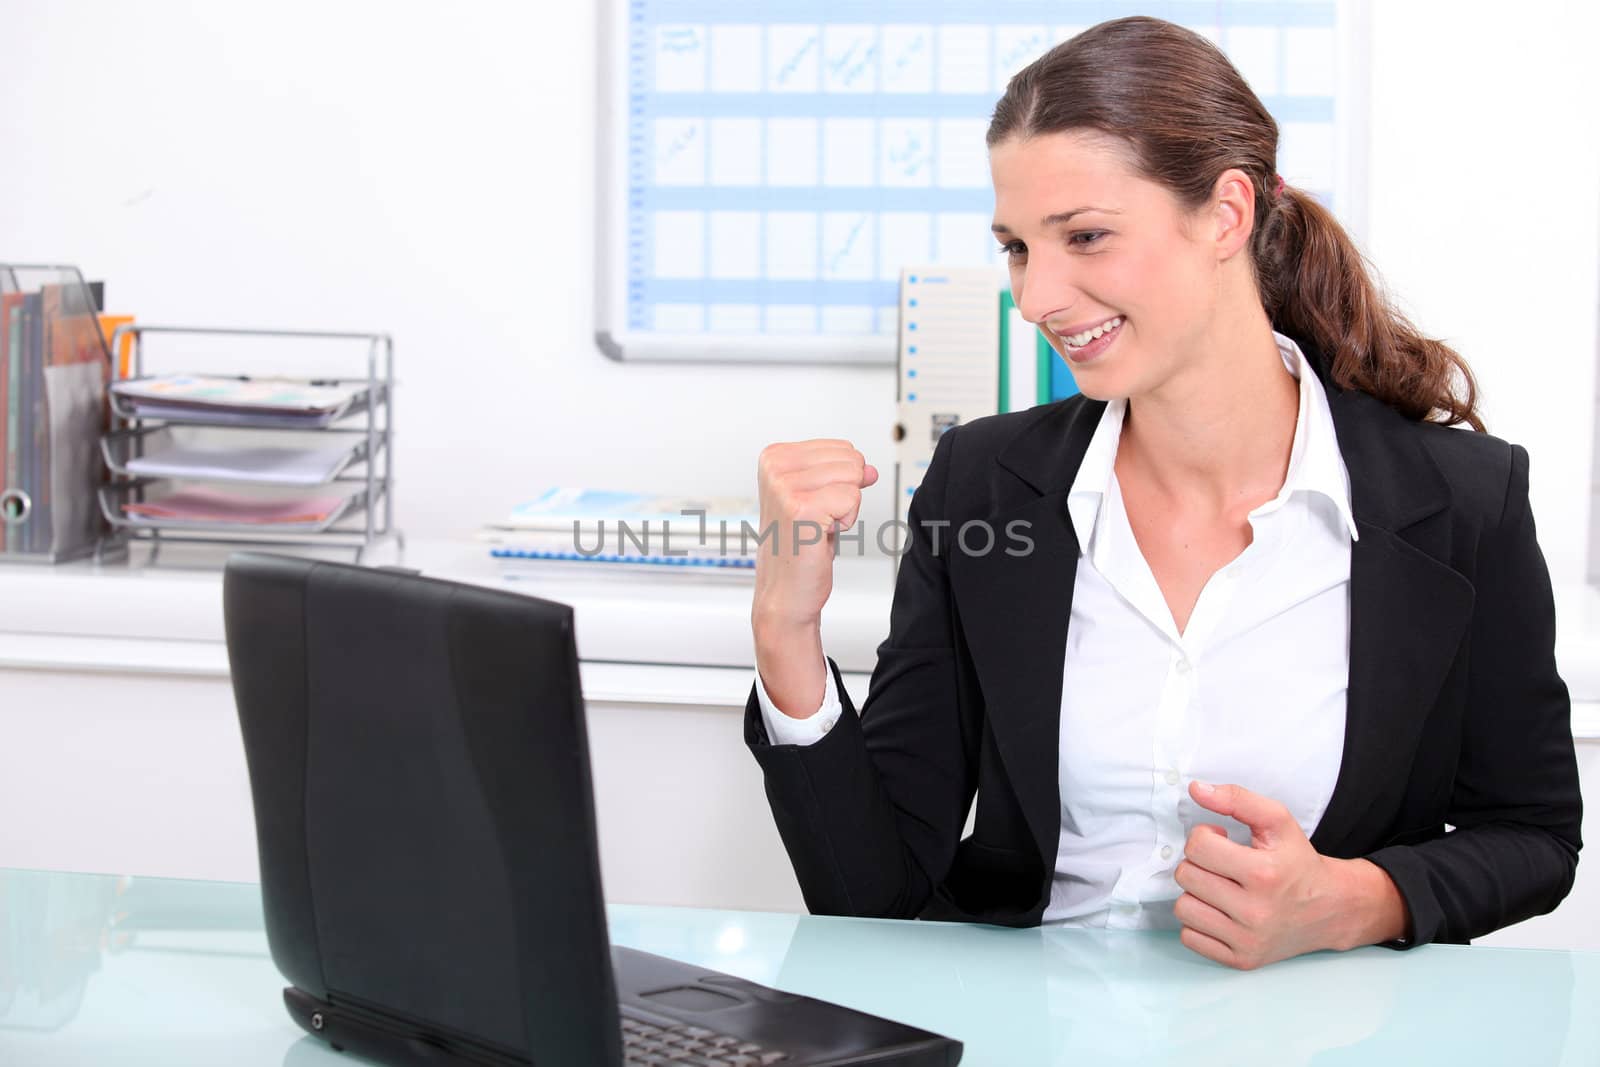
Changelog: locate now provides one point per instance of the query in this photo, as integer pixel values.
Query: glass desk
(144, 972)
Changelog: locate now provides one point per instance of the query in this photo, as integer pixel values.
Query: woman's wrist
(787, 658)
(1373, 911)
(775, 632)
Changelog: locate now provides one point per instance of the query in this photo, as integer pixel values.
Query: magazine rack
(54, 366)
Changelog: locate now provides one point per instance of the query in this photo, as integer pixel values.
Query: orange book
(123, 357)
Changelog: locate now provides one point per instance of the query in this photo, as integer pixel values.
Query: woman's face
(1091, 243)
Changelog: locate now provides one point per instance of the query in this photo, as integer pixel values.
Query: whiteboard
(766, 168)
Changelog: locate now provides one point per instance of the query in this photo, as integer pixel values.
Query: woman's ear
(1233, 212)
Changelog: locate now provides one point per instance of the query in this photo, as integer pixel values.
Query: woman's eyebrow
(1059, 217)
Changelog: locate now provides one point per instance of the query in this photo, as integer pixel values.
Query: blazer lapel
(1408, 612)
(1015, 608)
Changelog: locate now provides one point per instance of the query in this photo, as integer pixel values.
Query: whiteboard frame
(1352, 96)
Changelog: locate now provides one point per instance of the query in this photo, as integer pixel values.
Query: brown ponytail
(1188, 115)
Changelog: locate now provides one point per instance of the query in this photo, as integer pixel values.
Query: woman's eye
(1014, 249)
(1086, 238)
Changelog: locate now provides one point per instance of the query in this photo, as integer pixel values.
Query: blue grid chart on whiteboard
(785, 158)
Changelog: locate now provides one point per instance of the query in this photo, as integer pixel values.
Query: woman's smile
(1089, 344)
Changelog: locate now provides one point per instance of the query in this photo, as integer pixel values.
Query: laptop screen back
(425, 817)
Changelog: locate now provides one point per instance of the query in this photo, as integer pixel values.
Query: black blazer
(1455, 714)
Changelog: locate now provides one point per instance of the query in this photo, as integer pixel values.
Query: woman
(1275, 627)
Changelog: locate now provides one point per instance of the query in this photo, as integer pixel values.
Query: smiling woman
(1177, 114)
(1276, 668)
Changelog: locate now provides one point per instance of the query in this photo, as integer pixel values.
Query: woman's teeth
(1078, 340)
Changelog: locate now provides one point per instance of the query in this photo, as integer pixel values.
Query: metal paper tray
(126, 408)
(116, 448)
(112, 497)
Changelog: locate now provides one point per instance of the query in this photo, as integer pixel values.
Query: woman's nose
(1044, 292)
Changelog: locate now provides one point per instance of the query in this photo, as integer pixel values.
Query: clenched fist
(809, 490)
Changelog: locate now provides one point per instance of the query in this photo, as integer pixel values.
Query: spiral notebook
(616, 527)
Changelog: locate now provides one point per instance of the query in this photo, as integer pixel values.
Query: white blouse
(1252, 692)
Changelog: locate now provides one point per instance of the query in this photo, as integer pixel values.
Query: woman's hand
(809, 491)
(1249, 905)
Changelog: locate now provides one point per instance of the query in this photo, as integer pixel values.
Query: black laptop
(426, 826)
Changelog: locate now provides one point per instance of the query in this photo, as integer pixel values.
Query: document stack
(253, 459)
(596, 526)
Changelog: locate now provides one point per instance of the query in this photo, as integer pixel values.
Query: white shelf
(669, 638)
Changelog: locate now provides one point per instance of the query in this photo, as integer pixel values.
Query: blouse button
(1172, 777)
(1166, 852)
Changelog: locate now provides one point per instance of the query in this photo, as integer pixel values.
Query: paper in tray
(266, 396)
(266, 465)
(199, 505)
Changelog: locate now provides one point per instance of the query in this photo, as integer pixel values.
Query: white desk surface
(153, 972)
(678, 637)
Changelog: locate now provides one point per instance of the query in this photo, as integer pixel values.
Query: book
(74, 335)
(1024, 372)
(1031, 372)
(9, 302)
(52, 342)
(512, 553)
(123, 356)
(558, 508)
(609, 526)
(28, 410)
(666, 540)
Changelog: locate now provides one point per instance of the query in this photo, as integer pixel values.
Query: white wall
(1485, 220)
(428, 170)
(421, 168)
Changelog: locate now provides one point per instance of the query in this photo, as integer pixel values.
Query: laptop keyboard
(647, 1045)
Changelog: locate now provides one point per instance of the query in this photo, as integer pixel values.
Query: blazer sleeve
(870, 814)
(1515, 807)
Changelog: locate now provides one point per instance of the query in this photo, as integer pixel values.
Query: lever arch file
(965, 352)
(949, 367)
